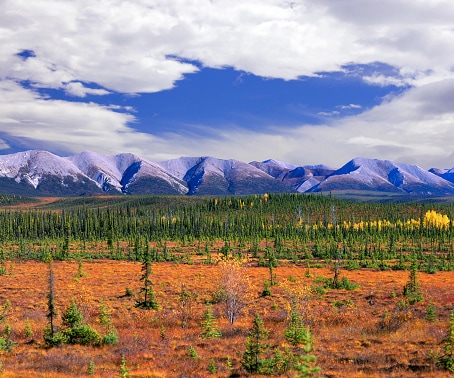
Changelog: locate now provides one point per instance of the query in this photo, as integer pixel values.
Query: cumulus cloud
(131, 46)
(73, 126)
(416, 128)
(148, 45)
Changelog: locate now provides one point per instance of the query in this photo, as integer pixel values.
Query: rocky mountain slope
(41, 173)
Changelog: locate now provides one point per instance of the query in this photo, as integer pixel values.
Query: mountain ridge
(42, 173)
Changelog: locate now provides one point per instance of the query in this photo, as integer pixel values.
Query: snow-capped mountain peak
(43, 173)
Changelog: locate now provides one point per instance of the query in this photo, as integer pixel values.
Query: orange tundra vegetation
(370, 331)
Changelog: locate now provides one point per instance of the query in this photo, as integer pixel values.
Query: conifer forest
(285, 285)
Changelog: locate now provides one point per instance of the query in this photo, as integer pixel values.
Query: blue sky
(224, 97)
(305, 82)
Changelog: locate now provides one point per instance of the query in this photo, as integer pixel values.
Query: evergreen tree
(447, 359)
(431, 313)
(5, 335)
(411, 288)
(212, 367)
(305, 361)
(28, 331)
(335, 284)
(255, 346)
(124, 371)
(296, 332)
(91, 368)
(72, 317)
(192, 352)
(185, 305)
(49, 332)
(75, 330)
(80, 271)
(300, 338)
(111, 337)
(210, 328)
(149, 301)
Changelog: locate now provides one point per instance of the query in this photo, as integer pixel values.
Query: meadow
(342, 288)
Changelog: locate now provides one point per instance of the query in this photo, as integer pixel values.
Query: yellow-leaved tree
(436, 220)
(236, 287)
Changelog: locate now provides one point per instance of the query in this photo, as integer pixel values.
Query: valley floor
(370, 331)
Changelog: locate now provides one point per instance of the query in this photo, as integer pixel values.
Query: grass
(346, 327)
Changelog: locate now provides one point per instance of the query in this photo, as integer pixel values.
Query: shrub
(192, 352)
(212, 367)
(345, 283)
(110, 338)
(266, 292)
(91, 368)
(124, 371)
(392, 321)
(82, 335)
(431, 313)
(76, 331)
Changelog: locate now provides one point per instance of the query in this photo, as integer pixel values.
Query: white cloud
(128, 47)
(79, 90)
(415, 128)
(329, 114)
(350, 106)
(72, 126)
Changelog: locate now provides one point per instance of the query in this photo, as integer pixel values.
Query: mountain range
(41, 173)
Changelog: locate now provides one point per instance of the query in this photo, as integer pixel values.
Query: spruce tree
(212, 367)
(255, 346)
(5, 341)
(431, 313)
(210, 328)
(148, 301)
(411, 288)
(111, 337)
(296, 332)
(447, 359)
(49, 332)
(72, 317)
(185, 305)
(124, 371)
(305, 363)
(75, 331)
(300, 338)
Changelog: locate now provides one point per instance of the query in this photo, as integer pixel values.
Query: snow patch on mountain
(446, 174)
(307, 185)
(32, 166)
(179, 167)
(89, 172)
(273, 167)
(373, 174)
(121, 170)
(102, 169)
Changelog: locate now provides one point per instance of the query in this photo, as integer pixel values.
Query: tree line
(293, 226)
